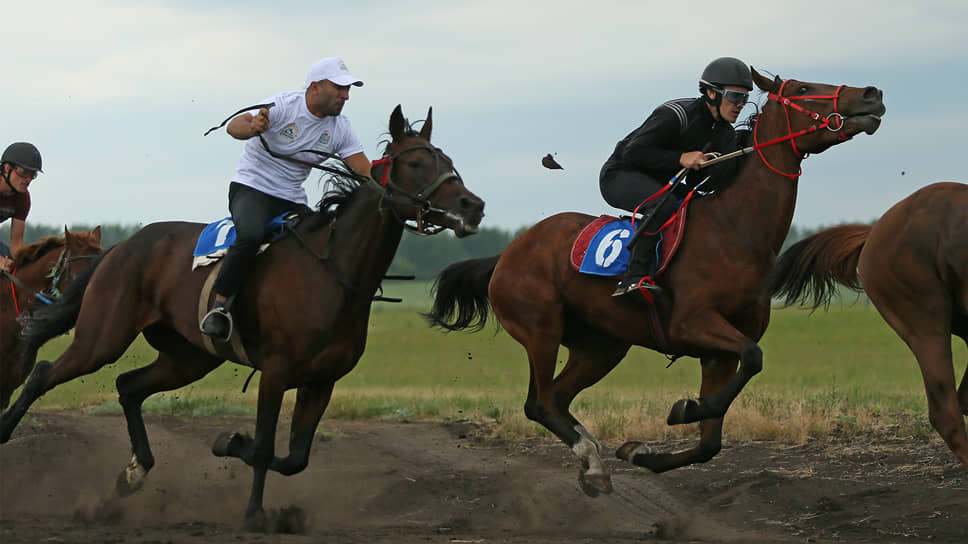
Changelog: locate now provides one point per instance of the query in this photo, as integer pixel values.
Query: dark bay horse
(40, 272)
(715, 305)
(302, 316)
(913, 264)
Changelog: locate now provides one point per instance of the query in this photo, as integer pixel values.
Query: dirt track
(421, 482)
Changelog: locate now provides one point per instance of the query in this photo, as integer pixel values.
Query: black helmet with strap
(727, 71)
(23, 154)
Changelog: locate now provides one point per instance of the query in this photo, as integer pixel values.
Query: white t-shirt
(293, 128)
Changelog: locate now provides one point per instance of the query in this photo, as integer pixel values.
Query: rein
(61, 266)
(833, 122)
(421, 199)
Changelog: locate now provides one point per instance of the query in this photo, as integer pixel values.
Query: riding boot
(217, 323)
(641, 270)
(643, 260)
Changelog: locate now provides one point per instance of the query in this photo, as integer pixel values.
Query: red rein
(789, 102)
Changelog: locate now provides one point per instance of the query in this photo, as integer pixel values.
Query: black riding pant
(251, 212)
(626, 189)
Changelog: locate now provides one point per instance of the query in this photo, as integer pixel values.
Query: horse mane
(345, 187)
(33, 252)
(342, 189)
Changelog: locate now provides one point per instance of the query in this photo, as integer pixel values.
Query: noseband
(420, 199)
(833, 122)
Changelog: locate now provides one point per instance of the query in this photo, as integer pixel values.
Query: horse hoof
(255, 522)
(595, 484)
(131, 479)
(629, 450)
(225, 443)
(684, 411)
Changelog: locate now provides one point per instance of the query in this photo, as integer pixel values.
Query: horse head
(79, 248)
(422, 184)
(826, 115)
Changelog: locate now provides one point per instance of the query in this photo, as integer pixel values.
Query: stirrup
(216, 319)
(627, 286)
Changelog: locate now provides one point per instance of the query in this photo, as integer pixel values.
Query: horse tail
(58, 317)
(817, 263)
(460, 295)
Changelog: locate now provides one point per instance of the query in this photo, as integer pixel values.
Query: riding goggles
(734, 97)
(25, 173)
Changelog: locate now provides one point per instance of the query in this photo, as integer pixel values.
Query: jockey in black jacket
(677, 135)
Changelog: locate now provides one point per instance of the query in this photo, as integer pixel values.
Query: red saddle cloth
(671, 238)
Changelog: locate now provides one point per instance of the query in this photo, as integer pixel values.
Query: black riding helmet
(722, 72)
(23, 154)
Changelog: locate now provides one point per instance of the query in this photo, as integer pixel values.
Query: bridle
(420, 199)
(833, 122)
(58, 272)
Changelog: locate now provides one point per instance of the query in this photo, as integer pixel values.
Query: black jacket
(674, 128)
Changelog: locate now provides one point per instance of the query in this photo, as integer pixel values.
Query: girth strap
(203, 301)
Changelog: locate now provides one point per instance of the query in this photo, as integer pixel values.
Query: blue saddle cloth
(606, 254)
(216, 237)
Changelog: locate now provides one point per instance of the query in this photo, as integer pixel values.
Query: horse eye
(803, 89)
(414, 163)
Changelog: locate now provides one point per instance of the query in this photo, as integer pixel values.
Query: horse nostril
(471, 204)
(872, 94)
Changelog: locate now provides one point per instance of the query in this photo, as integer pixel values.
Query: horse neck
(366, 240)
(761, 201)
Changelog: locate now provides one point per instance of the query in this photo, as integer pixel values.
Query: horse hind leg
(174, 368)
(944, 409)
(86, 354)
(549, 400)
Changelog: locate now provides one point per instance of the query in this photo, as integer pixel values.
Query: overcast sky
(117, 93)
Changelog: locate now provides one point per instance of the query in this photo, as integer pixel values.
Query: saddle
(215, 239)
(601, 247)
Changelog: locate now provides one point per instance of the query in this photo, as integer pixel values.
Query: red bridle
(833, 122)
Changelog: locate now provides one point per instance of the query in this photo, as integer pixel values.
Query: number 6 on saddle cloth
(602, 247)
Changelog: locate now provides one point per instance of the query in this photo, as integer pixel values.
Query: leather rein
(392, 191)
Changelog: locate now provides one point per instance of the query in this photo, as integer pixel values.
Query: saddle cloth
(600, 248)
(215, 239)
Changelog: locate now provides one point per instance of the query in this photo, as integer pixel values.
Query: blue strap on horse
(216, 237)
(40, 296)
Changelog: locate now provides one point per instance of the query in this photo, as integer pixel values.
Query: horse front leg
(311, 402)
(716, 373)
(712, 333)
(257, 452)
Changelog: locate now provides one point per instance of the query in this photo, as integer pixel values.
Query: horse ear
(398, 125)
(66, 232)
(762, 82)
(96, 234)
(428, 125)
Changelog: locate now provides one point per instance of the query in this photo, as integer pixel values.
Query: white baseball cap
(333, 69)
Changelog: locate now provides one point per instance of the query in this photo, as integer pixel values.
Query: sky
(117, 93)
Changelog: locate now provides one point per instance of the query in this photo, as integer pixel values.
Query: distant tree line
(419, 256)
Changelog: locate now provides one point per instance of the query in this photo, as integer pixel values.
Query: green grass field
(828, 372)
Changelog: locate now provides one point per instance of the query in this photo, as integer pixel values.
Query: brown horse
(715, 305)
(913, 264)
(40, 272)
(302, 315)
